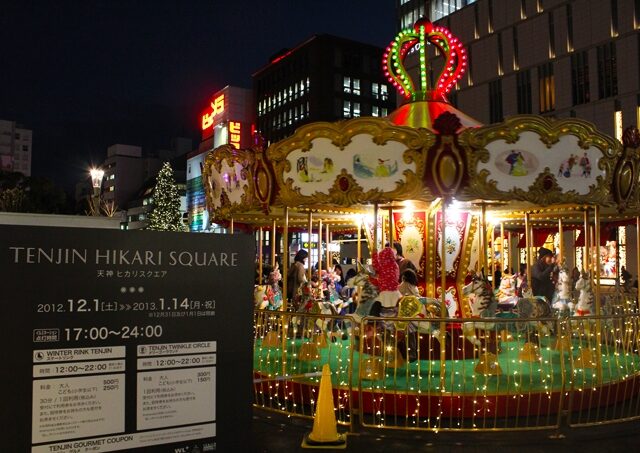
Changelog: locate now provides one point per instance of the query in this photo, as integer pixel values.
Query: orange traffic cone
(325, 433)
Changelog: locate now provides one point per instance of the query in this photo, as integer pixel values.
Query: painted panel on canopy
(513, 165)
(540, 160)
(362, 160)
(372, 166)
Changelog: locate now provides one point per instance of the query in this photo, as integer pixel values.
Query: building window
(356, 109)
(516, 53)
(523, 81)
(25, 148)
(476, 22)
(375, 110)
(379, 91)
(523, 9)
(346, 109)
(495, 101)
(346, 85)
(636, 14)
(569, 28)
(617, 124)
(607, 71)
(614, 18)
(539, 6)
(469, 68)
(580, 78)
(552, 36)
(490, 8)
(546, 87)
(500, 70)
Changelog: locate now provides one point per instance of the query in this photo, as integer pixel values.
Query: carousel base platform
(524, 386)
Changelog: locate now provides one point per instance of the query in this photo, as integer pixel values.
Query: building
(15, 147)
(551, 57)
(227, 119)
(125, 170)
(326, 78)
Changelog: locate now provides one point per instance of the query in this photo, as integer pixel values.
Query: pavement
(277, 433)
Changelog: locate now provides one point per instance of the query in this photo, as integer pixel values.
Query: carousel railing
(288, 353)
(504, 374)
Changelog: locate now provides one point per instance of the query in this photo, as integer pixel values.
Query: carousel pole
(443, 300)
(359, 247)
(501, 247)
(391, 226)
(483, 239)
(638, 255)
(319, 246)
(285, 302)
(527, 240)
(375, 227)
(561, 239)
(491, 260)
(596, 220)
(328, 240)
(285, 257)
(586, 262)
(231, 226)
(510, 260)
(260, 245)
(272, 241)
(310, 228)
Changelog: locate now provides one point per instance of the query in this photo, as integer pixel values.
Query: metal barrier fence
(501, 374)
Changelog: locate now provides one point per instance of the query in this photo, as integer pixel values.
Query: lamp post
(96, 181)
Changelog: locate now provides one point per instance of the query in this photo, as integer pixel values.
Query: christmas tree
(166, 215)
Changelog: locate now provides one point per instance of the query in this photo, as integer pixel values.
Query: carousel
(482, 213)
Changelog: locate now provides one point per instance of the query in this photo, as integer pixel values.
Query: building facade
(15, 147)
(562, 58)
(409, 11)
(228, 119)
(125, 170)
(326, 78)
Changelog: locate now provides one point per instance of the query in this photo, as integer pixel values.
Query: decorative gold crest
(218, 202)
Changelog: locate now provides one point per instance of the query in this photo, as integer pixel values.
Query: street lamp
(96, 182)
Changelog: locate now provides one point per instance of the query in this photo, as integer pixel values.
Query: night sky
(87, 74)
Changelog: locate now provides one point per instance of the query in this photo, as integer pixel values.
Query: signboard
(117, 341)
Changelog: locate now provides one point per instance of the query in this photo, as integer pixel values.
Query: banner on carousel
(124, 341)
(410, 232)
(459, 231)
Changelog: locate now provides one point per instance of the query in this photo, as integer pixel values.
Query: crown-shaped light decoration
(423, 33)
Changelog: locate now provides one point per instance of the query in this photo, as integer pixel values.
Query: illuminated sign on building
(235, 134)
(217, 107)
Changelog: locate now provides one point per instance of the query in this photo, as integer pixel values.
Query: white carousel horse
(482, 304)
(507, 294)
(587, 299)
(562, 299)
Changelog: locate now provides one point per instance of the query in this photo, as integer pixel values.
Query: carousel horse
(366, 294)
(484, 305)
(562, 299)
(587, 299)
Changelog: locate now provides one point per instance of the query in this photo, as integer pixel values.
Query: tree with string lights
(166, 215)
